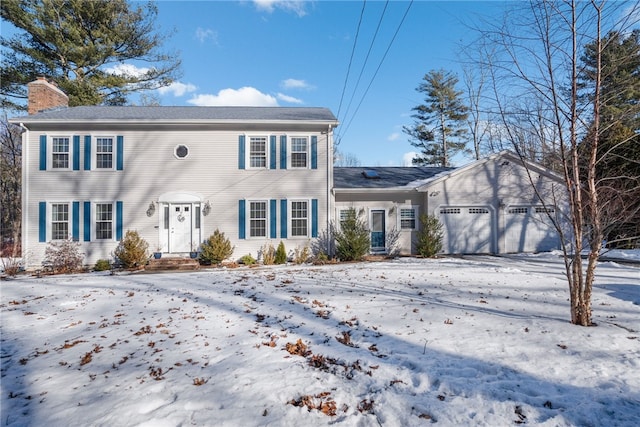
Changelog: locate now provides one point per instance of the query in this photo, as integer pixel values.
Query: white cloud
(204, 34)
(407, 158)
(394, 136)
(127, 70)
(245, 96)
(177, 89)
(296, 6)
(295, 84)
(289, 99)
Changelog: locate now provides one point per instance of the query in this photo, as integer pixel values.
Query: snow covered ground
(411, 342)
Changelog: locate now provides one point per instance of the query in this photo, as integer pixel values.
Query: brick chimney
(44, 95)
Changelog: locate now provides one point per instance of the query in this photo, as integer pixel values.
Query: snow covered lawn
(477, 341)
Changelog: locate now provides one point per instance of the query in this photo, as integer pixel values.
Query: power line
(378, 69)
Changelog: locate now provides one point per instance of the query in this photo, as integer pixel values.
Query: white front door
(180, 227)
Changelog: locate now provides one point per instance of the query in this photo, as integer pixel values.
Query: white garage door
(467, 229)
(528, 229)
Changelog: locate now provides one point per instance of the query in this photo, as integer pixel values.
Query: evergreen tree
(84, 47)
(439, 130)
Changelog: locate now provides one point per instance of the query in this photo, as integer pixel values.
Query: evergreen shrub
(133, 250)
(216, 248)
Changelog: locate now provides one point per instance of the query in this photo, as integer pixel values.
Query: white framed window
(60, 152)
(408, 216)
(299, 222)
(104, 221)
(258, 151)
(60, 219)
(258, 218)
(299, 146)
(104, 152)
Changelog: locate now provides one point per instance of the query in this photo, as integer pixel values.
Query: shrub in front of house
(102, 265)
(133, 250)
(215, 249)
(430, 235)
(353, 240)
(281, 254)
(268, 254)
(63, 256)
(248, 260)
(301, 254)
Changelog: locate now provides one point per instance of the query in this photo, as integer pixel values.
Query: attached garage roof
(384, 177)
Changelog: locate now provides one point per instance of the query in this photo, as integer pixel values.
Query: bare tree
(10, 187)
(537, 63)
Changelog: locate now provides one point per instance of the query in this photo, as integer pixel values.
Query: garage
(467, 229)
(528, 229)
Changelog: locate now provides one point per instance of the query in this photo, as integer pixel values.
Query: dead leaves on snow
(321, 402)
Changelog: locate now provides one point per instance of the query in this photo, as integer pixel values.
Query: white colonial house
(259, 174)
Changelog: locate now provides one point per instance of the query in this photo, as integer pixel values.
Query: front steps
(172, 264)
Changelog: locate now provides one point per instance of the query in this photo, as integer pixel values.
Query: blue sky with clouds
(297, 53)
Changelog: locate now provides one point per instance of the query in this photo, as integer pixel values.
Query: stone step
(172, 263)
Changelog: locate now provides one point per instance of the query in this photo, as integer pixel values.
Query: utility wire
(378, 69)
(355, 42)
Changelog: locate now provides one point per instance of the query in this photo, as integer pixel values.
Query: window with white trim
(104, 221)
(299, 218)
(408, 218)
(104, 153)
(299, 152)
(60, 153)
(60, 221)
(258, 219)
(258, 151)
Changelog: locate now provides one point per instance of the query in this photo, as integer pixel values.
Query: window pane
(60, 153)
(299, 214)
(104, 153)
(298, 152)
(104, 221)
(258, 152)
(407, 219)
(258, 219)
(59, 221)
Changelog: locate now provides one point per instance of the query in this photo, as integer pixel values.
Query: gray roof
(174, 114)
(388, 177)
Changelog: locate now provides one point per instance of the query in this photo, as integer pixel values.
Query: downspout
(25, 189)
(329, 188)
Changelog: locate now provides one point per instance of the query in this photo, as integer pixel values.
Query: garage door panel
(467, 229)
(529, 229)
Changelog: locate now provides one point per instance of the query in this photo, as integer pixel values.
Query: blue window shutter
(42, 221)
(43, 154)
(87, 221)
(283, 218)
(241, 219)
(272, 160)
(119, 209)
(314, 218)
(87, 152)
(75, 220)
(283, 151)
(76, 152)
(272, 220)
(241, 155)
(119, 153)
(314, 152)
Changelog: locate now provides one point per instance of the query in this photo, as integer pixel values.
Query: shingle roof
(388, 177)
(168, 114)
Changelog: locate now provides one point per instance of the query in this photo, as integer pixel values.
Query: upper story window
(60, 152)
(299, 152)
(258, 151)
(104, 153)
(299, 218)
(258, 219)
(59, 221)
(104, 221)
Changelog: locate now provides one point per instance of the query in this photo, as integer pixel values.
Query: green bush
(429, 240)
(353, 240)
(248, 260)
(63, 256)
(215, 249)
(268, 254)
(102, 265)
(281, 254)
(133, 250)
